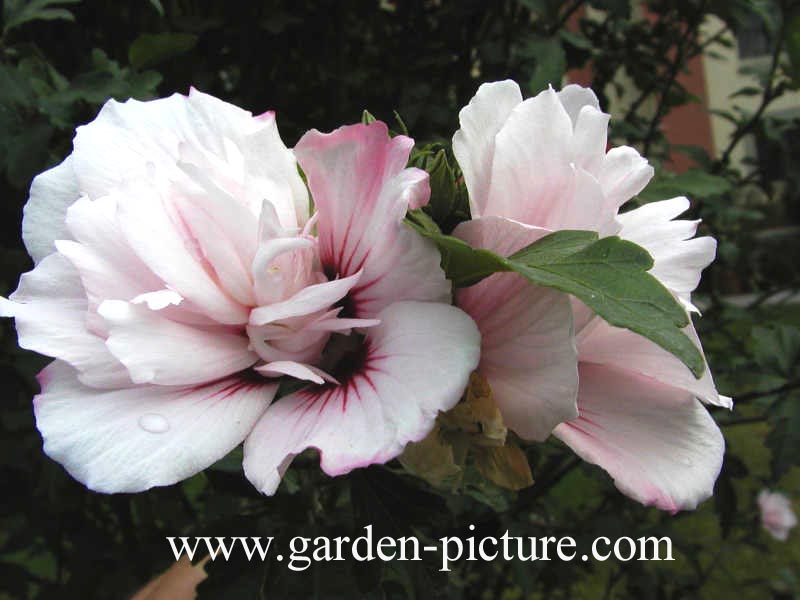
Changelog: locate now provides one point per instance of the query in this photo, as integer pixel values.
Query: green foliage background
(318, 63)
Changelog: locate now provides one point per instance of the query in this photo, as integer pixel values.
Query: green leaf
(19, 12)
(152, 48)
(551, 62)
(609, 275)
(792, 42)
(443, 187)
(784, 439)
(776, 349)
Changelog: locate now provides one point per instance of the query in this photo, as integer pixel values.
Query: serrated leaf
(610, 275)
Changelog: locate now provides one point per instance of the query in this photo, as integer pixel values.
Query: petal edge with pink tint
(528, 353)
(416, 363)
(658, 443)
(362, 190)
(129, 440)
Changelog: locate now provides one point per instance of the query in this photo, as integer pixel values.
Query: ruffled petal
(474, 143)
(414, 364)
(165, 243)
(135, 141)
(52, 192)
(50, 309)
(532, 171)
(658, 443)
(129, 440)
(602, 344)
(679, 256)
(296, 370)
(575, 97)
(528, 352)
(623, 174)
(362, 190)
(536, 176)
(157, 350)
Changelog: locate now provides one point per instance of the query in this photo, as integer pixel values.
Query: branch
(681, 56)
(786, 387)
(770, 93)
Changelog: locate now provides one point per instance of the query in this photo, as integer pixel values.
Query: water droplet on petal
(153, 423)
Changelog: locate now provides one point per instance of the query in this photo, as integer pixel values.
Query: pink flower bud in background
(777, 516)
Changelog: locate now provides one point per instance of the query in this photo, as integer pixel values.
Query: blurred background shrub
(707, 89)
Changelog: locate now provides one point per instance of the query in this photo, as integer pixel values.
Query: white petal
(163, 243)
(133, 439)
(474, 143)
(416, 363)
(575, 97)
(50, 308)
(296, 370)
(622, 175)
(679, 257)
(532, 169)
(52, 192)
(658, 443)
(309, 300)
(155, 349)
(602, 344)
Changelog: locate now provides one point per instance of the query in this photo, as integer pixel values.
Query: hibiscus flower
(540, 165)
(178, 274)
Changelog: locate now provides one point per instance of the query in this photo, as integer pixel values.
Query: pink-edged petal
(658, 443)
(415, 364)
(109, 268)
(474, 142)
(129, 440)
(679, 256)
(163, 241)
(50, 311)
(361, 190)
(623, 174)
(296, 370)
(600, 343)
(283, 266)
(157, 350)
(52, 192)
(309, 300)
(527, 348)
(218, 247)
